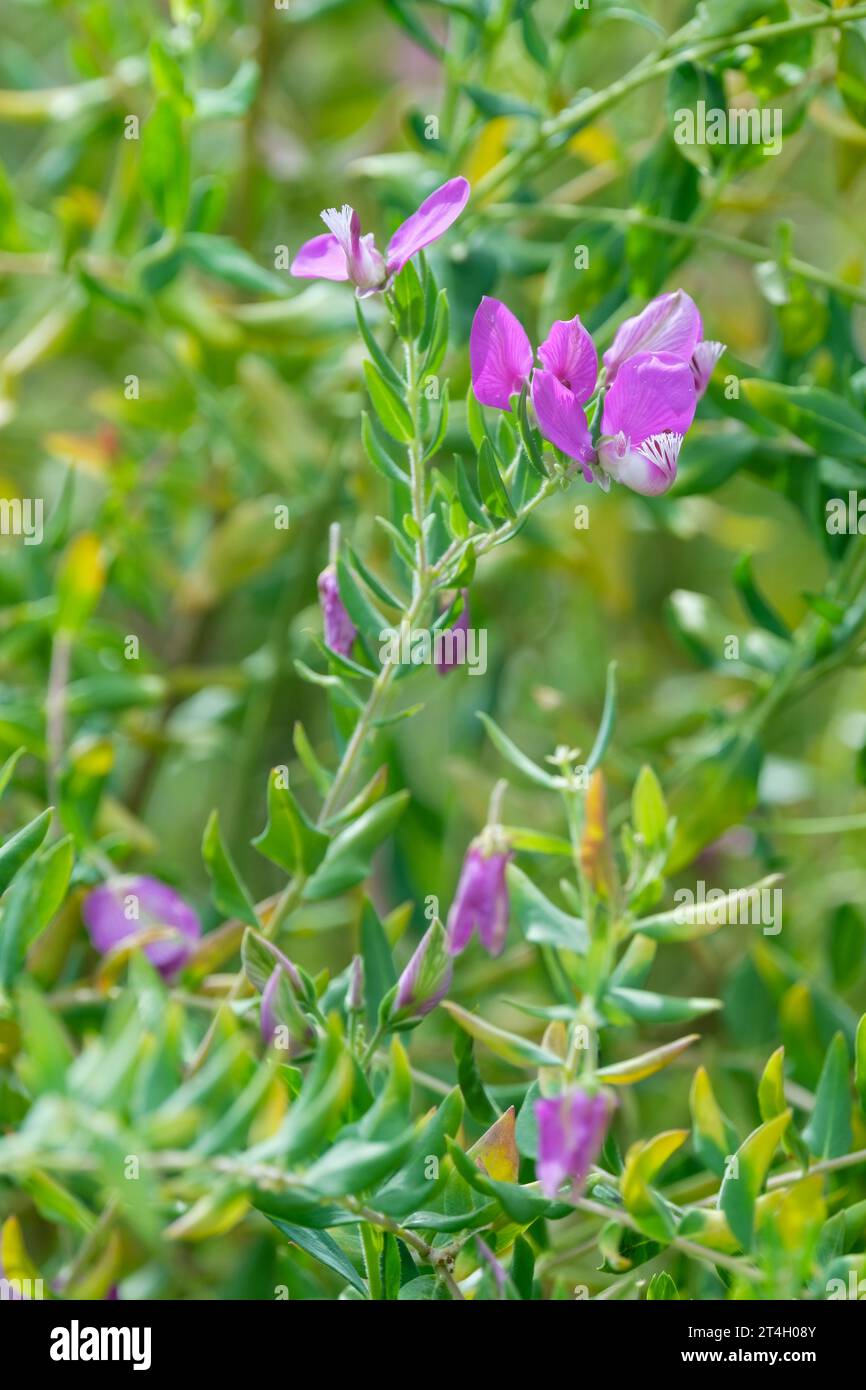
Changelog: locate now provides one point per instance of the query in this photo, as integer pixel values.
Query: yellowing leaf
(80, 581)
(710, 1135)
(594, 144)
(636, 1068)
(212, 1215)
(496, 1151)
(492, 146)
(643, 1160)
(745, 1176)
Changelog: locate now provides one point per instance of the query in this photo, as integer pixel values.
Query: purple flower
(340, 631)
(501, 359)
(702, 362)
(500, 354)
(571, 1130)
(481, 900)
(670, 323)
(342, 253)
(130, 904)
(647, 411)
(426, 979)
(446, 660)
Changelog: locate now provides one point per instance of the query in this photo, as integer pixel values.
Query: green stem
(370, 1246)
(657, 65)
(687, 231)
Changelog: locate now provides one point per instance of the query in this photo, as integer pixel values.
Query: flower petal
(649, 468)
(704, 359)
(569, 353)
(429, 223)
(669, 323)
(500, 354)
(560, 417)
(130, 904)
(653, 393)
(322, 258)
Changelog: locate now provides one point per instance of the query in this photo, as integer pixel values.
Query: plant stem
(657, 65)
(688, 231)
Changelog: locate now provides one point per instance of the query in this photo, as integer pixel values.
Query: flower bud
(426, 979)
(340, 631)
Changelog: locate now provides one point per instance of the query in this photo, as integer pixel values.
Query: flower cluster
(654, 374)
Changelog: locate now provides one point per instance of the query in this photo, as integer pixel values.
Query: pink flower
(129, 904)
(670, 324)
(571, 1130)
(342, 253)
(501, 360)
(340, 631)
(647, 411)
(481, 901)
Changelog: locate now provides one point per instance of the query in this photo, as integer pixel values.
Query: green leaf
(828, 1133)
(21, 846)
(385, 366)
(322, 779)
(754, 602)
(351, 1165)
(513, 755)
(411, 1187)
(824, 421)
(388, 405)
(228, 891)
(30, 903)
(377, 452)
(490, 484)
(47, 1053)
(745, 1176)
(847, 946)
(529, 439)
(520, 1052)
(646, 1007)
(648, 809)
(222, 258)
(692, 920)
(323, 1248)
(379, 973)
(367, 619)
(661, 1286)
(539, 919)
(408, 301)
(7, 771)
(348, 858)
(438, 337)
(324, 1095)
(851, 69)
(608, 716)
(478, 1102)
(288, 839)
(441, 427)
(165, 164)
